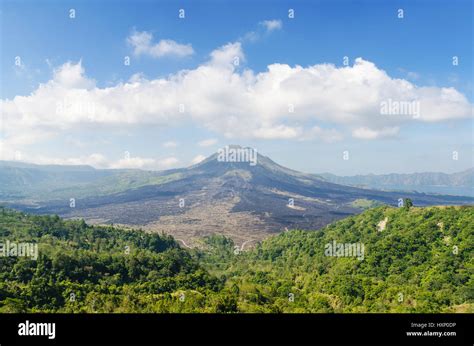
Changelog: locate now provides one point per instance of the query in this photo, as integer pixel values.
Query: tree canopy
(421, 260)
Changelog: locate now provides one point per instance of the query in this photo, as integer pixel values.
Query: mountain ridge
(430, 182)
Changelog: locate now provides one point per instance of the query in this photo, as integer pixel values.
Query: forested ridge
(414, 260)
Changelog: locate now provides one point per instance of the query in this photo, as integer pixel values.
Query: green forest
(414, 260)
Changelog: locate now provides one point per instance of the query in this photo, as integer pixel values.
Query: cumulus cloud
(228, 56)
(271, 25)
(142, 44)
(71, 76)
(282, 102)
(207, 142)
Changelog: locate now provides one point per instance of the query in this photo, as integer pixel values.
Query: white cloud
(226, 56)
(207, 142)
(145, 163)
(142, 44)
(277, 132)
(367, 133)
(133, 162)
(234, 102)
(71, 76)
(251, 36)
(137, 78)
(98, 160)
(271, 25)
(170, 144)
(197, 159)
(266, 27)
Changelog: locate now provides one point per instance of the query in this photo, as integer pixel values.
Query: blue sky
(81, 60)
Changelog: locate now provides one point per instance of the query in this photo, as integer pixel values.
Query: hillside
(80, 268)
(414, 260)
(417, 260)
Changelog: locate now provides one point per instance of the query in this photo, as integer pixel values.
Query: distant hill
(460, 183)
(240, 200)
(24, 181)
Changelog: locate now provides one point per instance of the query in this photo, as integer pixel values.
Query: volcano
(245, 199)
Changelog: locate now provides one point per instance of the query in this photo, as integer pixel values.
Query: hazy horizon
(191, 164)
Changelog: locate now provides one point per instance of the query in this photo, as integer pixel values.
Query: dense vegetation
(82, 268)
(414, 260)
(422, 261)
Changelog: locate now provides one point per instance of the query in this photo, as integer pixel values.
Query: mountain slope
(242, 201)
(421, 260)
